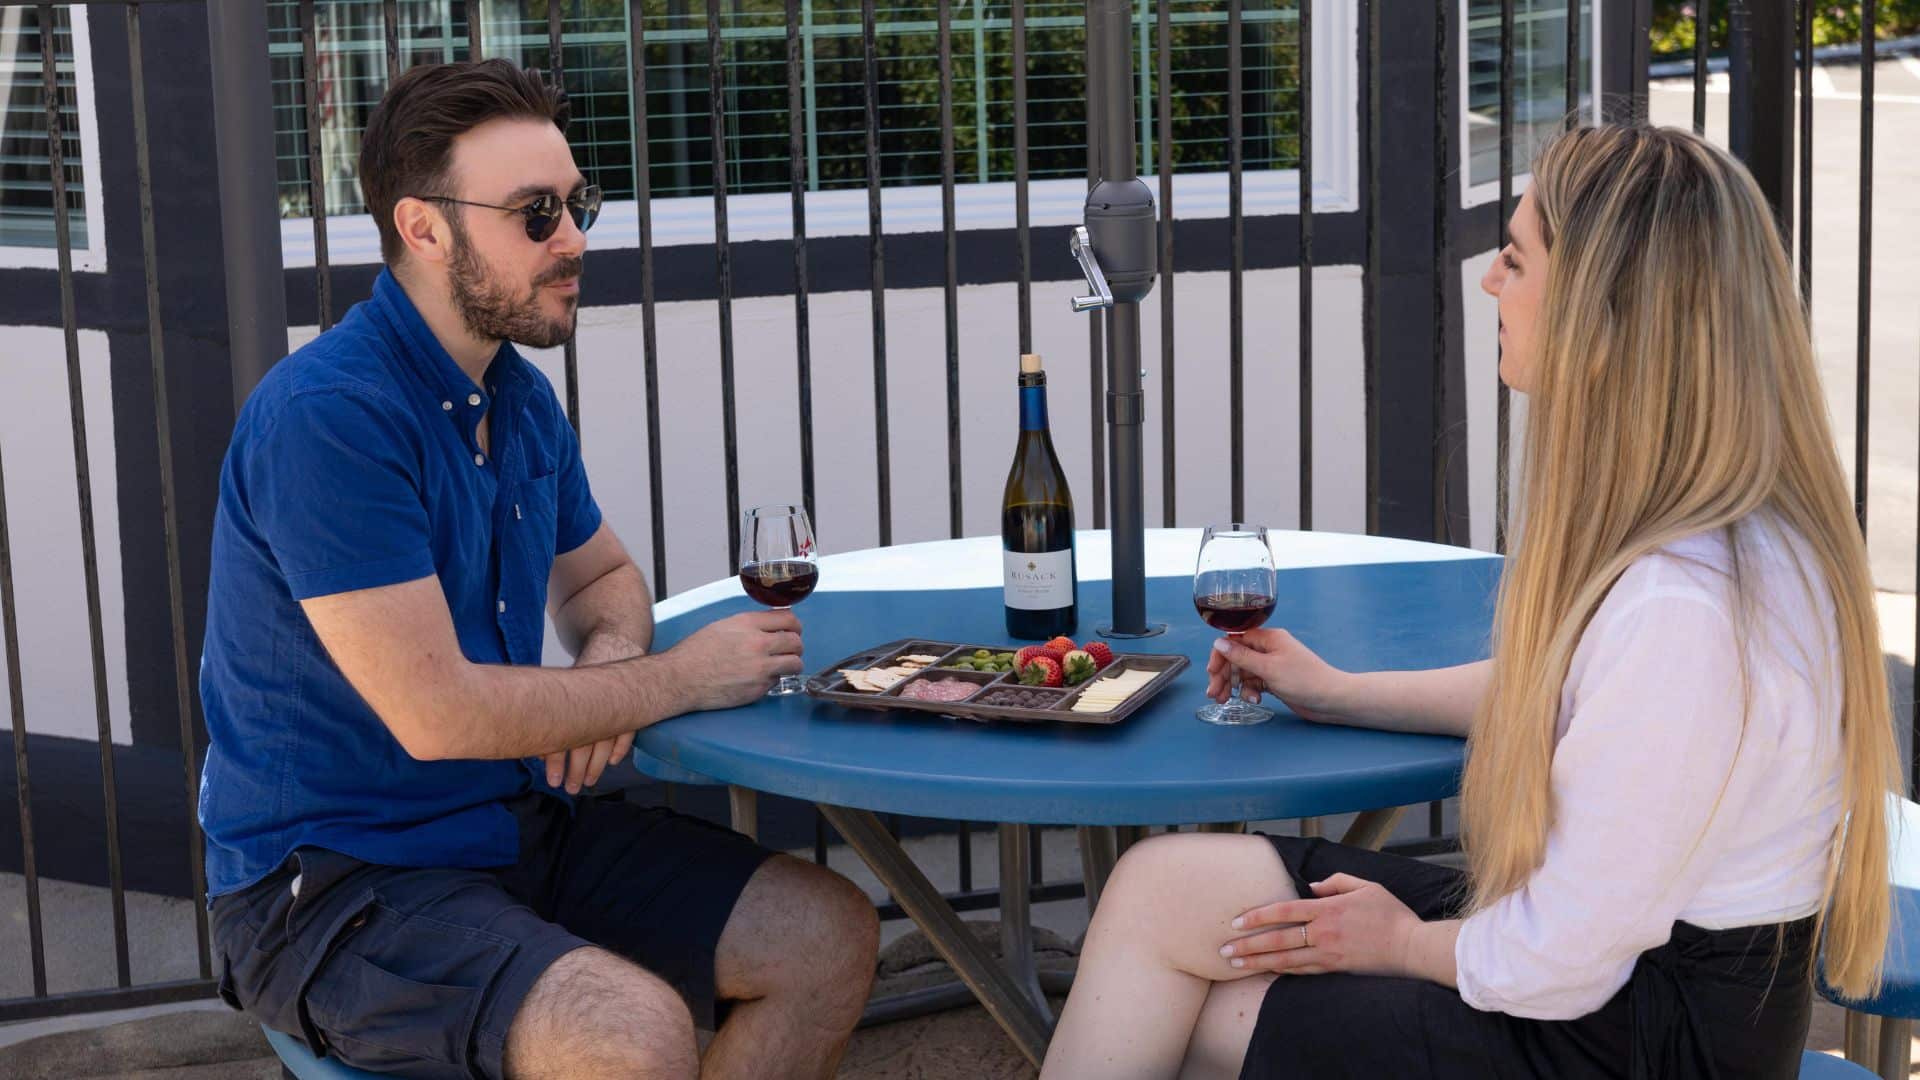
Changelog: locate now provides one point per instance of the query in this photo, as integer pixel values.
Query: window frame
(689, 220)
(93, 257)
(1471, 194)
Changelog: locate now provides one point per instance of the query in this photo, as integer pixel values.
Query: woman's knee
(1152, 895)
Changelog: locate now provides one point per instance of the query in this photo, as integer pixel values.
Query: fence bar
(1305, 31)
(1863, 346)
(250, 221)
(802, 317)
(1806, 157)
(1370, 87)
(877, 269)
(649, 337)
(1097, 53)
(169, 502)
(570, 350)
(1023, 240)
(1573, 64)
(390, 20)
(1236, 283)
(1502, 418)
(476, 34)
(23, 788)
(316, 183)
(1443, 266)
(1164, 93)
(723, 263)
(1702, 31)
(952, 271)
(966, 856)
(83, 483)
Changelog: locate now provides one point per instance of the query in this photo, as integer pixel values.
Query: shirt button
(479, 459)
(473, 399)
(447, 405)
(503, 607)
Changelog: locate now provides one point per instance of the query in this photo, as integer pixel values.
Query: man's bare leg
(797, 961)
(1152, 954)
(593, 1014)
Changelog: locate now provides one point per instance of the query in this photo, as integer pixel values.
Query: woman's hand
(1273, 661)
(1352, 925)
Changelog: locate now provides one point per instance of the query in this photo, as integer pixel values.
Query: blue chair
(1826, 1067)
(1897, 1004)
(298, 1063)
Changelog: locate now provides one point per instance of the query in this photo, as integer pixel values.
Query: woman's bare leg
(1218, 1048)
(1153, 953)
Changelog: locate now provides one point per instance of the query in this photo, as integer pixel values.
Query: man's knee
(814, 932)
(849, 927)
(594, 1014)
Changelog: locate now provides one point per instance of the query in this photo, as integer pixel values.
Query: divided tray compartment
(830, 685)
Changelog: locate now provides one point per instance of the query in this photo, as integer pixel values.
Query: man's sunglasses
(543, 213)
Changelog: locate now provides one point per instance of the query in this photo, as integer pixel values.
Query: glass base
(788, 684)
(1234, 713)
(1154, 629)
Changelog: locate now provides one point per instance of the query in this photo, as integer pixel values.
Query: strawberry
(1042, 671)
(1102, 655)
(1061, 645)
(1078, 667)
(1020, 658)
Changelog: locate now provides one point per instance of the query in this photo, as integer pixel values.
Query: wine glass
(778, 566)
(1234, 591)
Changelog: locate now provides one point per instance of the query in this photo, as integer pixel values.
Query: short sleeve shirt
(356, 464)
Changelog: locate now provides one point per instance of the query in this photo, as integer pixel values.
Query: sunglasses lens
(585, 208)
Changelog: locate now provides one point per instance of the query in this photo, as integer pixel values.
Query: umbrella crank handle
(1081, 245)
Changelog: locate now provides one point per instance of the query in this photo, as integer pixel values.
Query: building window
(1540, 104)
(351, 73)
(27, 236)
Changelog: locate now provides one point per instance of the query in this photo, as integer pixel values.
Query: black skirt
(1709, 1003)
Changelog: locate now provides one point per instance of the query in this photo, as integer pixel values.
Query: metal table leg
(745, 804)
(1005, 999)
(1016, 917)
(1371, 829)
(1099, 851)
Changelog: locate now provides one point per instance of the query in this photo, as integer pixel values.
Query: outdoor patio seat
(1827, 1067)
(1898, 1002)
(298, 1062)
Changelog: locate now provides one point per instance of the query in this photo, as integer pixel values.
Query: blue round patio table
(1363, 603)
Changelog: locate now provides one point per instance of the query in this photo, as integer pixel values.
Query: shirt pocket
(532, 532)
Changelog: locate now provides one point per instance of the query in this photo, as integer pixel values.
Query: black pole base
(1153, 629)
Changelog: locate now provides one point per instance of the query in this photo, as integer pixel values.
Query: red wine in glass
(780, 584)
(778, 566)
(1234, 612)
(1234, 590)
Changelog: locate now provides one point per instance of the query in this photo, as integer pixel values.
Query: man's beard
(492, 312)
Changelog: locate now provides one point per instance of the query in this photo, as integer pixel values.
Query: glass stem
(1233, 699)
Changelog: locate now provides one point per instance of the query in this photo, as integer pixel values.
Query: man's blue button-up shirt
(356, 464)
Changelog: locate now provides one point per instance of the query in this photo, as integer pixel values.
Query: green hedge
(1833, 24)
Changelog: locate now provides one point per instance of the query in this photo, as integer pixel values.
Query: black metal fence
(1414, 226)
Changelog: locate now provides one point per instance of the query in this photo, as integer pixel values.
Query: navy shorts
(419, 972)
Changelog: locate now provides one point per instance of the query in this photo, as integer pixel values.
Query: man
(398, 876)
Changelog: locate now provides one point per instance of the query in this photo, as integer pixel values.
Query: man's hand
(582, 766)
(736, 660)
(1354, 926)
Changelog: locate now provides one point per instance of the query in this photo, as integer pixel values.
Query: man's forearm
(501, 711)
(616, 607)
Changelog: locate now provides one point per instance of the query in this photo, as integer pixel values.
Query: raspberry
(1020, 658)
(1102, 655)
(1042, 671)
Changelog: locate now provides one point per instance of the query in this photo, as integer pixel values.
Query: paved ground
(210, 1044)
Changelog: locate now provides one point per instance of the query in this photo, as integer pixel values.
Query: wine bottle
(1036, 523)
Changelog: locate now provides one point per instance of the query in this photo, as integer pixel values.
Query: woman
(1678, 755)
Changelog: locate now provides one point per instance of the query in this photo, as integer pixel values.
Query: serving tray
(831, 685)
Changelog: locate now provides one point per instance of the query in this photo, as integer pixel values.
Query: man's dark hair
(408, 145)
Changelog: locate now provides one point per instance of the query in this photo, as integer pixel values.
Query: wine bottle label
(1039, 580)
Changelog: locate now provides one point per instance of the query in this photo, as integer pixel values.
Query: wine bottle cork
(1029, 363)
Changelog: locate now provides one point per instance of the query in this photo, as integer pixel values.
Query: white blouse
(1649, 735)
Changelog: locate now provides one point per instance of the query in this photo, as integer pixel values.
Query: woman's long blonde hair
(1674, 393)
